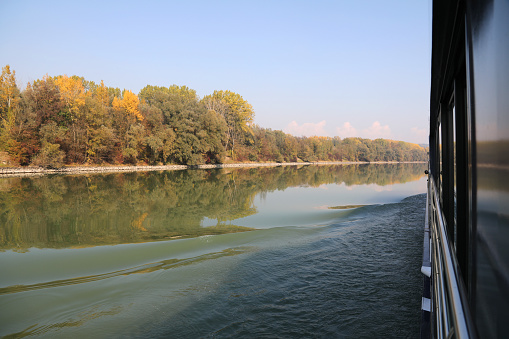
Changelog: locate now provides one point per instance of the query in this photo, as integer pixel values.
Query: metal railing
(451, 317)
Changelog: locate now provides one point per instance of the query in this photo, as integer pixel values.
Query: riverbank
(33, 170)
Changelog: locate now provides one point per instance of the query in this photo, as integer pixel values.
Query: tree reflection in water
(104, 209)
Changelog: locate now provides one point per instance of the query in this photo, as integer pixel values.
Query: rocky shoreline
(32, 170)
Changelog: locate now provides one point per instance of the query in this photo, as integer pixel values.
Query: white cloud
(377, 131)
(347, 131)
(307, 129)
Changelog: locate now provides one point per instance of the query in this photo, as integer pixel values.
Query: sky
(328, 68)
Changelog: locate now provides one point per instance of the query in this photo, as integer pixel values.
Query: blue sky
(346, 68)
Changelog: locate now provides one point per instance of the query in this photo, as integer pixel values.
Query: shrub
(50, 156)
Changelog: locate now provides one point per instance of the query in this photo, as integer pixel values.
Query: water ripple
(145, 268)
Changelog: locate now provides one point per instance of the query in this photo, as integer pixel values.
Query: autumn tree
(72, 93)
(129, 103)
(101, 95)
(9, 99)
(127, 121)
(40, 104)
(9, 92)
(97, 116)
(50, 154)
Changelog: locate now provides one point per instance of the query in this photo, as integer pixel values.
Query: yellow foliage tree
(101, 93)
(129, 103)
(72, 93)
(240, 109)
(9, 92)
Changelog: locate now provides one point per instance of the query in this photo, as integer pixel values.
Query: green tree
(198, 133)
(237, 113)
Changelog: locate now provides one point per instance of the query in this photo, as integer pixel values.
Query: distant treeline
(69, 120)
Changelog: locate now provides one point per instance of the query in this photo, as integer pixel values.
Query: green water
(211, 253)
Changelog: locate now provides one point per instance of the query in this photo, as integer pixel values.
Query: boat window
(452, 110)
(440, 168)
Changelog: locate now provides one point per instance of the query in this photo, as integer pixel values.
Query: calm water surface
(267, 252)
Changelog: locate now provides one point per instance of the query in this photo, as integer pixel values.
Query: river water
(285, 252)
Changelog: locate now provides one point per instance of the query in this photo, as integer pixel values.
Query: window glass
(439, 183)
(454, 169)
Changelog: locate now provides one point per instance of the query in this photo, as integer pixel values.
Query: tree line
(69, 120)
